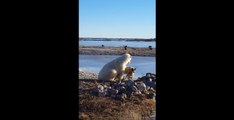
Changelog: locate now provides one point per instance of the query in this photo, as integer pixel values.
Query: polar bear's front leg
(119, 76)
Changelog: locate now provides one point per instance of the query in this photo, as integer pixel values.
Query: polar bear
(115, 68)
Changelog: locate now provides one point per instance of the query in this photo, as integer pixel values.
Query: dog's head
(133, 70)
(130, 69)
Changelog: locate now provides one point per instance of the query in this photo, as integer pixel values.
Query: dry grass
(105, 108)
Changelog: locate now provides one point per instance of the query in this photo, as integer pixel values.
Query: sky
(117, 18)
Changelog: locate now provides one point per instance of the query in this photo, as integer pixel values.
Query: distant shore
(118, 39)
(98, 50)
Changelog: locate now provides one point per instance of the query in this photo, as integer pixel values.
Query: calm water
(94, 63)
(118, 43)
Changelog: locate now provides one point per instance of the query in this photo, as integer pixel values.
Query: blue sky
(117, 18)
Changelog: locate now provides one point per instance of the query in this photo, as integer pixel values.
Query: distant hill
(116, 39)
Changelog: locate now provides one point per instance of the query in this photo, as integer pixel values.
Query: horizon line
(118, 37)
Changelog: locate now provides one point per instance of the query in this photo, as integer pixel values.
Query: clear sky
(117, 18)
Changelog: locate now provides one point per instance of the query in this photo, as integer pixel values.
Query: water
(94, 63)
(118, 43)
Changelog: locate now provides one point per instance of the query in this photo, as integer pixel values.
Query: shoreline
(87, 75)
(118, 39)
(98, 50)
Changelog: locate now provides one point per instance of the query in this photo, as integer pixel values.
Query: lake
(94, 63)
(118, 43)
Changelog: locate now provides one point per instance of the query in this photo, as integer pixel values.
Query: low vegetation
(106, 108)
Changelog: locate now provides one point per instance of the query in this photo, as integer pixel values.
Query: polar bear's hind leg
(108, 76)
(113, 75)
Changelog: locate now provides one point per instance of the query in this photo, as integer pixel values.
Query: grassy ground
(106, 108)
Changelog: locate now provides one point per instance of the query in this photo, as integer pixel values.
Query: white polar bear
(115, 68)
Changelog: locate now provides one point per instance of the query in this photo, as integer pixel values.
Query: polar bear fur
(115, 68)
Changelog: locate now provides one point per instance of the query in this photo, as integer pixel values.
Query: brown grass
(105, 108)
